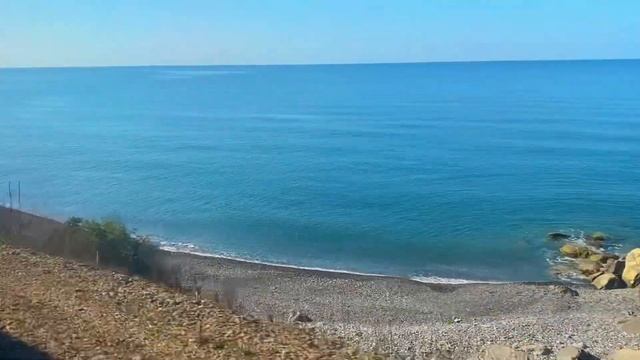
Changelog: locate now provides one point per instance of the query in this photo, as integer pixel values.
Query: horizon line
(314, 64)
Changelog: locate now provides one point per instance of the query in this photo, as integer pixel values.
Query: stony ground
(50, 307)
(62, 309)
(425, 321)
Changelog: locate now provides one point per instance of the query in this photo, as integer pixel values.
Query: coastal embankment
(392, 315)
(52, 308)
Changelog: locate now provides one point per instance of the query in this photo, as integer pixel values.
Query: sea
(450, 172)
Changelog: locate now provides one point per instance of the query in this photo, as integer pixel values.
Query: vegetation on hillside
(112, 242)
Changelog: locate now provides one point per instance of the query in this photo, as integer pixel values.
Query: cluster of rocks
(503, 352)
(605, 270)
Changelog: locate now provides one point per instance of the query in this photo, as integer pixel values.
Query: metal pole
(10, 197)
(19, 197)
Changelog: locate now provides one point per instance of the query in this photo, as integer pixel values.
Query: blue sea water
(455, 170)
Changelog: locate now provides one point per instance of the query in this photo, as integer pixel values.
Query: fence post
(10, 197)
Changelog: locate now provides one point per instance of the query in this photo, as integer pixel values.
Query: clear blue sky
(141, 32)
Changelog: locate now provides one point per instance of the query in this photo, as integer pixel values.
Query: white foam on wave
(452, 281)
(191, 249)
(194, 250)
(570, 273)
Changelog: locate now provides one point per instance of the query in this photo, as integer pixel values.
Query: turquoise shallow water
(454, 170)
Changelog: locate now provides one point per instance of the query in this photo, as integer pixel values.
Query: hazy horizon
(319, 64)
(66, 33)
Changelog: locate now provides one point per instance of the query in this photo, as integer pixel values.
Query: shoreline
(402, 316)
(426, 279)
(406, 317)
(167, 245)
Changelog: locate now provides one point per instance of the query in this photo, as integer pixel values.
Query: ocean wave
(194, 250)
(188, 248)
(564, 267)
(452, 281)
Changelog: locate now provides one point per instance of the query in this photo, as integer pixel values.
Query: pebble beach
(411, 319)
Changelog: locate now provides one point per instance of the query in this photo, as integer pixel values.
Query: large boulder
(595, 276)
(607, 281)
(631, 273)
(557, 236)
(575, 251)
(570, 353)
(588, 267)
(502, 352)
(625, 354)
(602, 257)
(536, 350)
(599, 236)
(616, 267)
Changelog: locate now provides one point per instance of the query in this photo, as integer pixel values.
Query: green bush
(113, 241)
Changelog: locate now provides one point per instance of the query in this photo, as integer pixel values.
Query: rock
(597, 258)
(599, 236)
(616, 267)
(536, 350)
(569, 353)
(588, 267)
(296, 316)
(595, 276)
(557, 236)
(565, 290)
(602, 257)
(575, 251)
(632, 326)
(625, 354)
(631, 272)
(570, 250)
(606, 281)
(502, 352)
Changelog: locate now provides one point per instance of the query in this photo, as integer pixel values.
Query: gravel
(97, 312)
(409, 319)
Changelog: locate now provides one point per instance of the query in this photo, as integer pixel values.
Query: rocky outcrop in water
(588, 258)
(558, 236)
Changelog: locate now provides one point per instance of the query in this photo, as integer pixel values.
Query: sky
(191, 32)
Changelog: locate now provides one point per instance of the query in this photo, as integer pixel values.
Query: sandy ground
(412, 319)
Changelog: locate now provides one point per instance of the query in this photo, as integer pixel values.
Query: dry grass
(74, 311)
